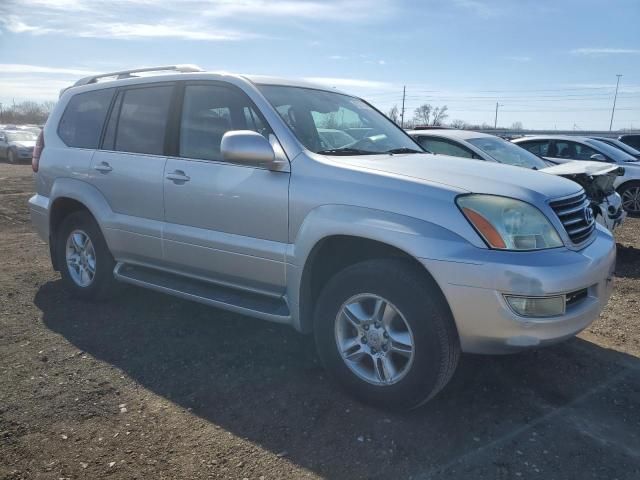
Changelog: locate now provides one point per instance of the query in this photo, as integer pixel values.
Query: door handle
(103, 167)
(178, 176)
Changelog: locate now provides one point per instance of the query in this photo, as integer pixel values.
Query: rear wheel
(384, 332)
(85, 262)
(630, 193)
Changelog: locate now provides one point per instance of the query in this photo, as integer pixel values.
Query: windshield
(335, 124)
(21, 136)
(611, 152)
(618, 144)
(507, 152)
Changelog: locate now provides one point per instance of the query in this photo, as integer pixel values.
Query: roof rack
(129, 73)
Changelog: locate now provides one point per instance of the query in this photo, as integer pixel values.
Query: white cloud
(22, 68)
(479, 7)
(338, 57)
(605, 51)
(204, 20)
(348, 82)
(30, 88)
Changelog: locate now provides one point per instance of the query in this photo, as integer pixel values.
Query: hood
(466, 175)
(581, 167)
(24, 143)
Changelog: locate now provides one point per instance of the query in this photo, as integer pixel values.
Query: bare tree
(516, 126)
(459, 124)
(427, 115)
(394, 115)
(439, 115)
(422, 114)
(26, 112)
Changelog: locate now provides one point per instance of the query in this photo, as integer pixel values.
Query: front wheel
(630, 193)
(385, 333)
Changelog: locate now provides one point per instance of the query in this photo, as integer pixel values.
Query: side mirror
(246, 147)
(598, 157)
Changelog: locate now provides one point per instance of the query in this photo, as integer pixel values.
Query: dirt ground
(149, 386)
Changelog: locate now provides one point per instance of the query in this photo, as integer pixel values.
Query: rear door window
(139, 120)
(538, 147)
(83, 119)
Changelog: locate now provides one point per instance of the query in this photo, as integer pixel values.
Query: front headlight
(508, 224)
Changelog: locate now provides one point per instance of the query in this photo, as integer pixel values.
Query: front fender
(418, 238)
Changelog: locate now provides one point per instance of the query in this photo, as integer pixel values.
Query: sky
(548, 64)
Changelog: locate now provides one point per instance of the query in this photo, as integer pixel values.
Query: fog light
(537, 306)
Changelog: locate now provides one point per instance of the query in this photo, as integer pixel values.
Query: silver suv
(224, 189)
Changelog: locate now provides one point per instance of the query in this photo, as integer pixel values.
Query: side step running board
(246, 303)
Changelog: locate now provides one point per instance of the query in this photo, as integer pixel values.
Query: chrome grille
(571, 212)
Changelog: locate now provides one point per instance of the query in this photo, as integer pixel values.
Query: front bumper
(474, 289)
(39, 209)
(609, 213)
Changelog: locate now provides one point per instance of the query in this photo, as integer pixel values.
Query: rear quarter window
(82, 120)
(540, 147)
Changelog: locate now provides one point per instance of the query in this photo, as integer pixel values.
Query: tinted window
(573, 151)
(443, 147)
(612, 153)
(538, 147)
(82, 121)
(142, 120)
(208, 112)
(633, 140)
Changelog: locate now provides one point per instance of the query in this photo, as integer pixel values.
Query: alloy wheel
(374, 339)
(631, 199)
(81, 258)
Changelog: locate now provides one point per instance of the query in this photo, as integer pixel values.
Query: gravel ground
(149, 386)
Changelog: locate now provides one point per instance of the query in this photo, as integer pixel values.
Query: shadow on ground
(628, 261)
(569, 408)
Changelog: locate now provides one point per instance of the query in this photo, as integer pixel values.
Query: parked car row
(597, 179)
(240, 192)
(561, 149)
(16, 145)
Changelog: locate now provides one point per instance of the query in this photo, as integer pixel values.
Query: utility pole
(495, 123)
(615, 97)
(404, 93)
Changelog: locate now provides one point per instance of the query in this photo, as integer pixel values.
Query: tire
(419, 306)
(12, 157)
(101, 284)
(630, 193)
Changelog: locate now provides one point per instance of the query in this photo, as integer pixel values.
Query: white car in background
(563, 149)
(596, 178)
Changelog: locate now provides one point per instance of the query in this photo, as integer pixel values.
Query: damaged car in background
(597, 178)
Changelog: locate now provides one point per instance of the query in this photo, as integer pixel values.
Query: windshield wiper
(403, 150)
(346, 151)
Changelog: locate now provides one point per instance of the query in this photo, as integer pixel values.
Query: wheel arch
(341, 236)
(68, 196)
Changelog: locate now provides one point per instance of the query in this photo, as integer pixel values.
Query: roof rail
(128, 73)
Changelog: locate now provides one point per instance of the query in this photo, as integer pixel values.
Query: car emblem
(588, 215)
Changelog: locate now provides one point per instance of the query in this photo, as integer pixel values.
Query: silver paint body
(254, 229)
